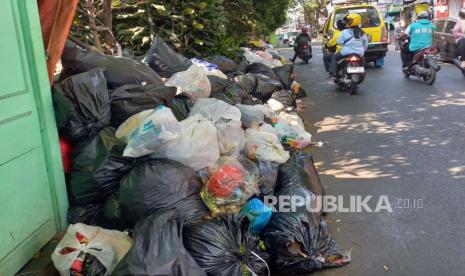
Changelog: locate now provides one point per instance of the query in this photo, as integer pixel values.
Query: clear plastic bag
(251, 114)
(82, 241)
(193, 81)
(263, 144)
(291, 136)
(196, 146)
(211, 69)
(229, 184)
(148, 130)
(227, 120)
(293, 119)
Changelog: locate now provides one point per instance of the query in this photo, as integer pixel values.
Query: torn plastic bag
(90, 104)
(284, 74)
(251, 114)
(284, 97)
(98, 166)
(300, 241)
(181, 106)
(227, 120)
(87, 214)
(226, 65)
(197, 145)
(194, 82)
(90, 251)
(258, 214)
(264, 145)
(226, 247)
(158, 249)
(131, 99)
(229, 184)
(164, 60)
(118, 70)
(211, 69)
(111, 216)
(265, 87)
(300, 170)
(291, 136)
(268, 176)
(148, 130)
(293, 119)
(260, 68)
(154, 185)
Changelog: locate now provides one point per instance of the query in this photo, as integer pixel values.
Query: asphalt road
(400, 138)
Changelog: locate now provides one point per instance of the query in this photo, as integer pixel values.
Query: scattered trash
(386, 268)
(164, 60)
(148, 131)
(225, 246)
(90, 251)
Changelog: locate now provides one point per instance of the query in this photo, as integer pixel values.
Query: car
(372, 24)
(444, 40)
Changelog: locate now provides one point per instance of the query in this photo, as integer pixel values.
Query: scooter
(304, 52)
(350, 73)
(424, 65)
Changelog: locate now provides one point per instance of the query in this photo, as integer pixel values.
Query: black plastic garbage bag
(181, 106)
(226, 65)
(87, 214)
(242, 65)
(300, 241)
(300, 170)
(164, 60)
(268, 175)
(111, 216)
(284, 97)
(154, 185)
(131, 99)
(118, 70)
(225, 246)
(158, 249)
(284, 73)
(89, 100)
(265, 87)
(247, 82)
(62, 107)
(97, 168)
(260, 68)
(218, 85)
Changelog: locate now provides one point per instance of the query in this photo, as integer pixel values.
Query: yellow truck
(372, 24)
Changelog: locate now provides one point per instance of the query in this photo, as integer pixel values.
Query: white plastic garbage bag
(252, 57)
(291, 136)
(250, 114)
(147, 131)
(293, 119)
(211, 69)
(196, 146)
(275, 105)
(108, 246)
(227, 120)
(193, 81)
(262, 144)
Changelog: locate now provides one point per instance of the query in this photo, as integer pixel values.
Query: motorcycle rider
(459, 30)
(301, 39)
(421, 37)
(353, 41)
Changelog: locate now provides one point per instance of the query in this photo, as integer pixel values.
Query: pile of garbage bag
(180, 154)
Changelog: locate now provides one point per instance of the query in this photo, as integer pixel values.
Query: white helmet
(423, 15)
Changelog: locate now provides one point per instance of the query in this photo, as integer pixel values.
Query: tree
(313, 9)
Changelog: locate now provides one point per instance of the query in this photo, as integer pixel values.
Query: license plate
(355, 70)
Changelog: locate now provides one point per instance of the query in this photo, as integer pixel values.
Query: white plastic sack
(108, 246)
(251, 114)
(264, 145)
(147, 131)
(197, 145)
(252, 57)
(275, 105)
(293, 119)
(227, 120)
(193, 81)
(292, 136)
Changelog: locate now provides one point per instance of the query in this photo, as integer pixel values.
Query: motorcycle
(458, 63)
(304, 52)
(424, 65)
(350, 73)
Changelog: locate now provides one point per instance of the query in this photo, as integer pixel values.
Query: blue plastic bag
(258, 213)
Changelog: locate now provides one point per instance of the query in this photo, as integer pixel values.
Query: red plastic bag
(65, 148)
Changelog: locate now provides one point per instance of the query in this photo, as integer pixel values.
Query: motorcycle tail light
(305, 46)
(384, 34)
(353, 59)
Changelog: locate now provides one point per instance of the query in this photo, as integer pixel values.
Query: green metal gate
(33, 199)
